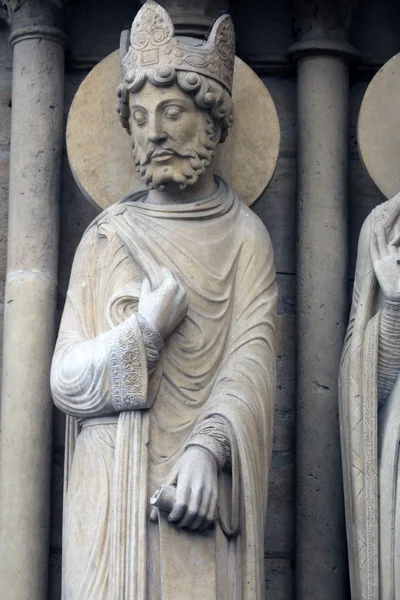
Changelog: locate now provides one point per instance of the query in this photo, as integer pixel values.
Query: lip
(162, 156)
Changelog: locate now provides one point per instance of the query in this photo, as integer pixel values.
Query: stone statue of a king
(165, 360)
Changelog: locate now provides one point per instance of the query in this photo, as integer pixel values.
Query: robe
(370, 433)
(127, 426)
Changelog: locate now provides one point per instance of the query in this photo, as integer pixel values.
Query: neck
(203, 188)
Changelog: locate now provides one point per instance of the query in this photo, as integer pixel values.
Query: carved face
(173, 140)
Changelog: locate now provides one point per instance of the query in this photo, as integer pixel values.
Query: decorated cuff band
(127, 367)
(151, 337)
(210, 444)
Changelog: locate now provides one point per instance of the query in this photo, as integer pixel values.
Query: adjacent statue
(165, 360)
(370, 410)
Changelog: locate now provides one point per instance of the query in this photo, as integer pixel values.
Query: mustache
(148, 154)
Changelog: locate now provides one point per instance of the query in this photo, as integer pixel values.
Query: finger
(381, 239)
(181, 504)
(374, 248)
(212, 512)
(203, 511)
(154, 514)
(193, 508)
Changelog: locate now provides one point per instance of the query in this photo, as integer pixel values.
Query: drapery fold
(219, 361)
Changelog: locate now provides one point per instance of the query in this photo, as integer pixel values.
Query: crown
(154, 47)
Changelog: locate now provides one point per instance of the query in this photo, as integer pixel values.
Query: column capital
(29, 19)
(322, 27)
(194, 18)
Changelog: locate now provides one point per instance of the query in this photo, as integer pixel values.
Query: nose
(156, 133)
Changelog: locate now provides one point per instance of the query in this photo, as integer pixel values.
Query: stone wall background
(264, 33)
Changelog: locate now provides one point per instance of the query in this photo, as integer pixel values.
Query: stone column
(322, 56)
(30, 296)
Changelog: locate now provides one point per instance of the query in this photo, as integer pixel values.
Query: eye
(139, 117)
(173, 112)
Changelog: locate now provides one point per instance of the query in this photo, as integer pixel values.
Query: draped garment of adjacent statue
(219, 361)
(370, 430)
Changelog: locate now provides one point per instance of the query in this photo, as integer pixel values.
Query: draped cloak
(370, 433)
(219, 361)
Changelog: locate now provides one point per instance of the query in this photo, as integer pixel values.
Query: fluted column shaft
(30, 298)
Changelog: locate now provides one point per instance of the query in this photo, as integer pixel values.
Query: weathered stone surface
(286, 382)
(4, 175)
(277, 210)
(5, 108)
(26, 469)
(5, 48)
(279, 578)
(323, 106)
(29, 310)
(280, 524)
(283, 92)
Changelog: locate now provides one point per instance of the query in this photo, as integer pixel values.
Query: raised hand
(386, 261)
(166, 306)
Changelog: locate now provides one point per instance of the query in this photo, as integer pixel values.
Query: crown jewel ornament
(154, 48)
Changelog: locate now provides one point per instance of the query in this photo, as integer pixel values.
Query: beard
(192, 164)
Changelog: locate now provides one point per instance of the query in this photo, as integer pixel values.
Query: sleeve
(94, 375)
(100, 376)
(212, 434)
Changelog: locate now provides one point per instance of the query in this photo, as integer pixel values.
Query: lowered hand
(196, 478)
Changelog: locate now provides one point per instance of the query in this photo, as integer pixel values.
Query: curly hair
(207, 94)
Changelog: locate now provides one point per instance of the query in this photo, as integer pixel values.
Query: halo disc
(379, 128)
(99, 149)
